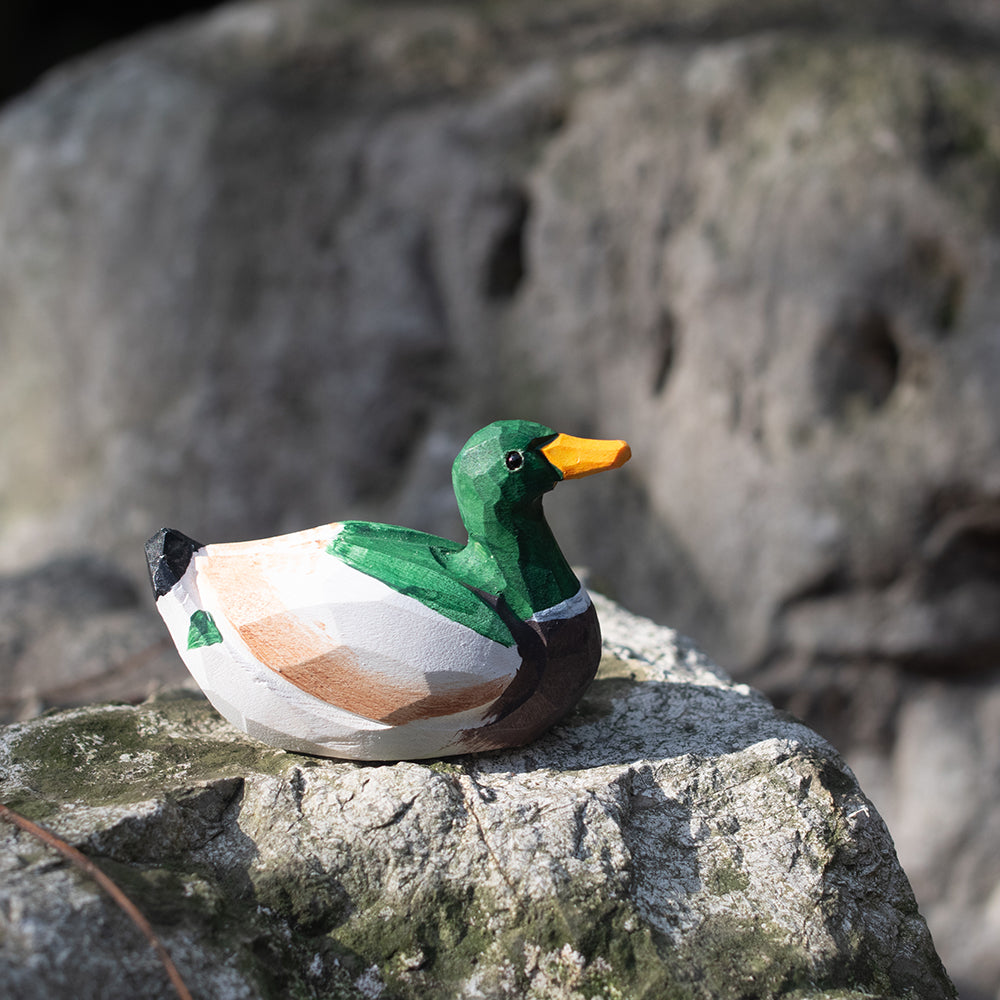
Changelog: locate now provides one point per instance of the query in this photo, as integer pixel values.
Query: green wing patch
(408, 561)
(203, 631)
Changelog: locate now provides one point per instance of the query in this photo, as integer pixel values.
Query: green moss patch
(111, 755)
(729, 958)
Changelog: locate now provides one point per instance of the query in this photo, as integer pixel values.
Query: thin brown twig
(84, 863)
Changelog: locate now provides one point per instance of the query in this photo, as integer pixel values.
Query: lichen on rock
(674, 838)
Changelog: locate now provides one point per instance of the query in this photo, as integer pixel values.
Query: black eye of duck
(513, 460)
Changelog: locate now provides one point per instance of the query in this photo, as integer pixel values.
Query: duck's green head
(511, 463)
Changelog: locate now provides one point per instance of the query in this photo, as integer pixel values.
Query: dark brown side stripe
(559, 660)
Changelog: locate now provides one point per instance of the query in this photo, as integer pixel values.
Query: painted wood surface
(374, 642)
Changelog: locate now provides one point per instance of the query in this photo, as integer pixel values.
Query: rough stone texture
(272, 267)
(676, 838)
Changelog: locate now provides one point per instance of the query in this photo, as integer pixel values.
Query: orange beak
(575, 457)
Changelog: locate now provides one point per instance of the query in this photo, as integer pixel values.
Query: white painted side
(263, 704)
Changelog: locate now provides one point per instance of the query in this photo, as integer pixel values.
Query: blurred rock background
(269, 266)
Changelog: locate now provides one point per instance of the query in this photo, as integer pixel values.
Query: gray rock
(75, 630)
(675, 838)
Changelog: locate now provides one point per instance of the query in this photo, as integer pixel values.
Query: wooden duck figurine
(372, 642)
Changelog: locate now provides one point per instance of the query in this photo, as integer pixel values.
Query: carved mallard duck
(373, 642)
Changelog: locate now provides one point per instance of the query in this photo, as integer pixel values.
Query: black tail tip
(168, 553)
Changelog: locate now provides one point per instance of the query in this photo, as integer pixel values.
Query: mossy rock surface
(676, 839)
